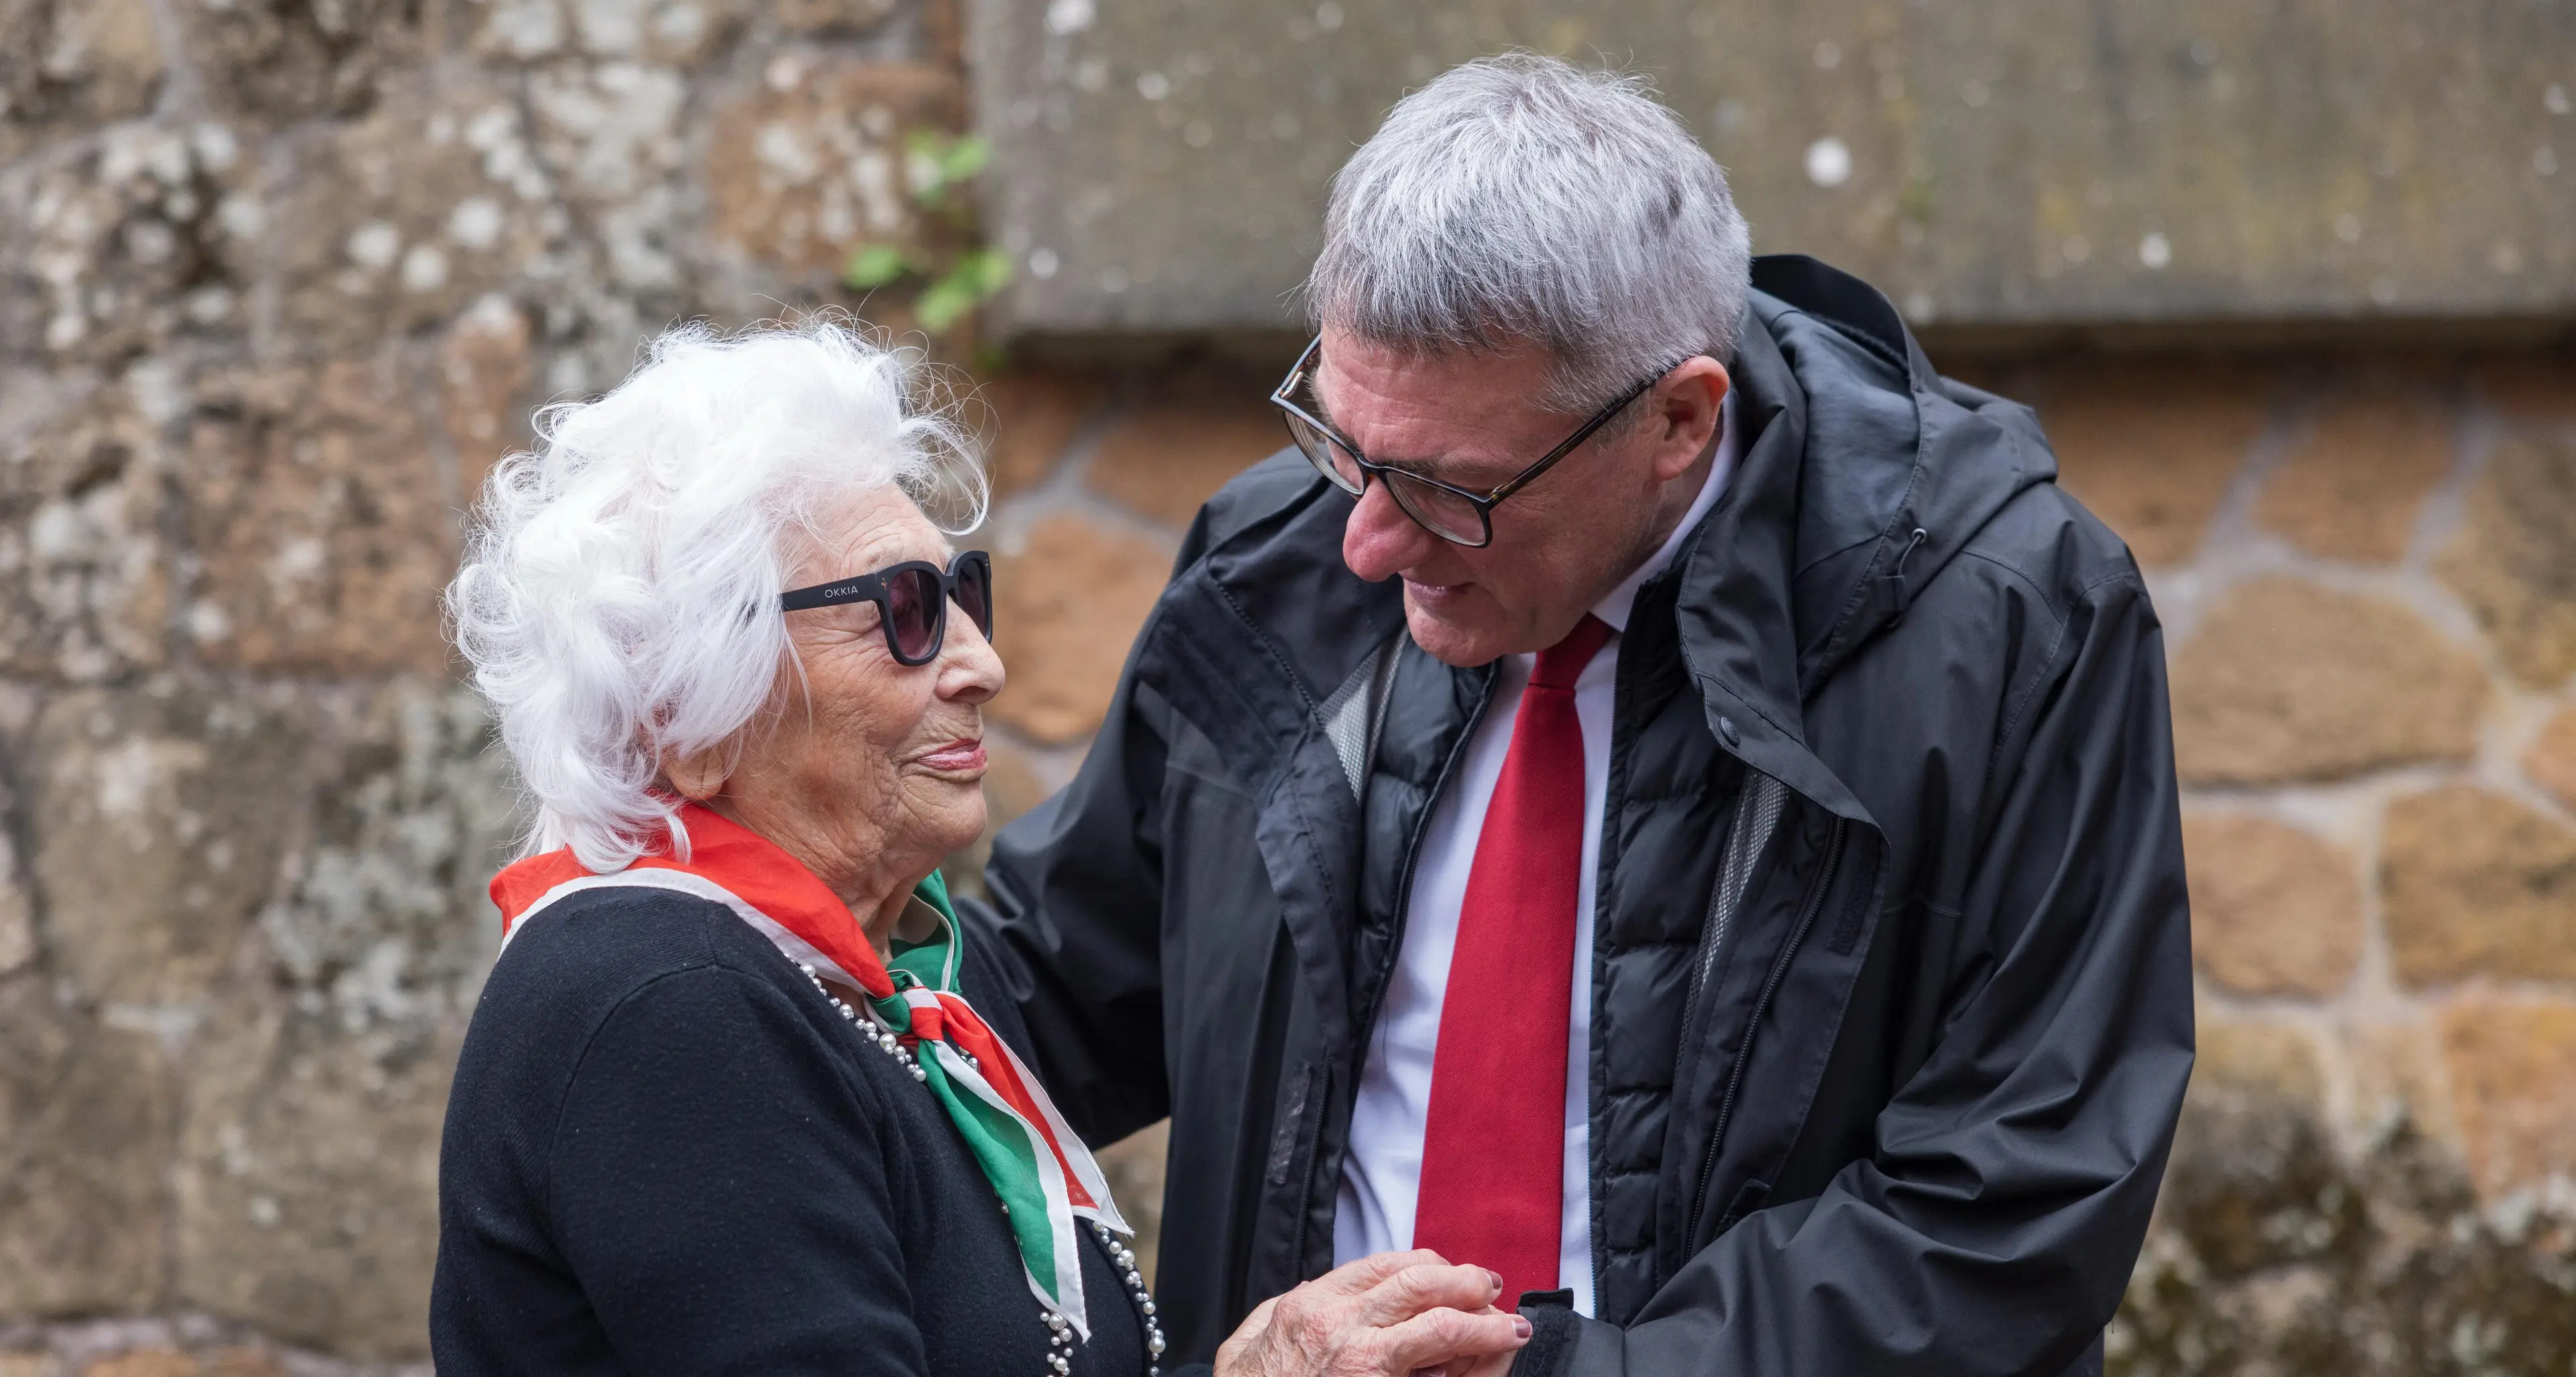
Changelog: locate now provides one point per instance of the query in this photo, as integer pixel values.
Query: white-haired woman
(727, 1104)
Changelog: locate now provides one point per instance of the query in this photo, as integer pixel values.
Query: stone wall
(278, 282)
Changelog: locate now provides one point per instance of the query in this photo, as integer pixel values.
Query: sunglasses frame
(873, 587)
(1483, 502)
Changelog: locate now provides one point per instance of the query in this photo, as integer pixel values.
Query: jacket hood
(1865, 474)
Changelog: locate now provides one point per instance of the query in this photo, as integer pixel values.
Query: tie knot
(1562, 663)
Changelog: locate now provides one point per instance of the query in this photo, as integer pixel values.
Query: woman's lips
(957, 757)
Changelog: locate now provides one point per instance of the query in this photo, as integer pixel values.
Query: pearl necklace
(1123, 1258)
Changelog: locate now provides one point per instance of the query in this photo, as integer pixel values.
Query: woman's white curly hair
(619, 595)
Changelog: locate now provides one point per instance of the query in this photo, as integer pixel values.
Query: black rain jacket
(1891, 969)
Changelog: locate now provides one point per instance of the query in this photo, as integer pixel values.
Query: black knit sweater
(666, 1152)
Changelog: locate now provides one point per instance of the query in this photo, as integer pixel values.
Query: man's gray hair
(1520, 201)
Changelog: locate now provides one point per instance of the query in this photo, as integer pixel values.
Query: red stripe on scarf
(754, 869)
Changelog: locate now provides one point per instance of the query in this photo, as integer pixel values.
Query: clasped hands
(1390, 1315)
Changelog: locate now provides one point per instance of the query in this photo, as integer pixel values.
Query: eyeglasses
(1458, 515)
(912, 601)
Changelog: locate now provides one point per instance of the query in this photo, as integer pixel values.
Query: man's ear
(1693, 398)
(700, 776)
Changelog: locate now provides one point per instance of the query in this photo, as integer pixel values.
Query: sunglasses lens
(975, 593)
(912, 613)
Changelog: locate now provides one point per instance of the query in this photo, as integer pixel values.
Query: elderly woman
(728, 1104)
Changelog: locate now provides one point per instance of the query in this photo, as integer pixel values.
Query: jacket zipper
(1753, 1027)
(1759, 804)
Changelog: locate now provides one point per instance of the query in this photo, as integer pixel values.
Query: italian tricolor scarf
(1037, 1165)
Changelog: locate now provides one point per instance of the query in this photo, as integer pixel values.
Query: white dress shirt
(1382, 1172)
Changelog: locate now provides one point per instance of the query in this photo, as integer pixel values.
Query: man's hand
(1391, 1315)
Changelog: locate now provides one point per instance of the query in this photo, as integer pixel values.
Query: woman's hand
(1391, 1315)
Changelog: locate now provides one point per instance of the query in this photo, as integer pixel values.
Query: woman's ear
(699, 776)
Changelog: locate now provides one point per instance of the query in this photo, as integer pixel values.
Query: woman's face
(868, 770)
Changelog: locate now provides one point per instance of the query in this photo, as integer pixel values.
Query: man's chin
(1450, 641)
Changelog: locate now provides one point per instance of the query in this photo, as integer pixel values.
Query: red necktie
(1493, 1143)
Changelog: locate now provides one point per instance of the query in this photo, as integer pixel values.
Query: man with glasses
(1657, 794)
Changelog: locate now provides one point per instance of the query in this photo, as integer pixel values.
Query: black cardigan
(666, 1152)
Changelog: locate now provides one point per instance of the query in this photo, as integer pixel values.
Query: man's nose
(1379, 541)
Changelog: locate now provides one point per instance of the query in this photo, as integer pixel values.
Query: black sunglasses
(1455, 514)
(912, 601)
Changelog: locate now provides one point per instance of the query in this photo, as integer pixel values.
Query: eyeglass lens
(1443, 512)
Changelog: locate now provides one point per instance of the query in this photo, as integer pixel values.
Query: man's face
(1561, 543)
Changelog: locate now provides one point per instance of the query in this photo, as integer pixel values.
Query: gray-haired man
(1659, 794)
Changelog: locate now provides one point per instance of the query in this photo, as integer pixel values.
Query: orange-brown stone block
(2551, 761)
(484, 369)
(1066, 607)
(2355, 483)
(2274, 910)
(811, 164)
(2514, 560)
(821, 18)
(326, 526)
(2473, 883)
(2287, 680)
(1034, 415)
(1167, 457)
(2151, 445)
(2538, 388)
(2513, 1081)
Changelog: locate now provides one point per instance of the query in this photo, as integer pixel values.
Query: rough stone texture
(2289, 680)
(388, 920)
(2151, 465)
(84, 581)
(2276, 1253)
(2274, 910)
(286, 59)
(2514, 560)
(70, 63)
(2513, 1071)
(85, 1128)
(399, 220)
(133, 241)
(161, 814)
(2018, 162)
(2477, 884)
(17, 913)
(1169, 456)
(2356, 481)
(324, 520)
(2551, 762)
(308, 1182)
(1067, 604)
(813, 164)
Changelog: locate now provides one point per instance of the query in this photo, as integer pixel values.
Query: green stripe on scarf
(1000, 1143)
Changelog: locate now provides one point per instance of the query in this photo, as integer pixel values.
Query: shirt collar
(1614, 608)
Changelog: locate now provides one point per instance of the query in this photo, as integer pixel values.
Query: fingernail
(1520, 1326)
(1497, 1278)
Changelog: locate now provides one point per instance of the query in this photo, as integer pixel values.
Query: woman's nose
(969, 670)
